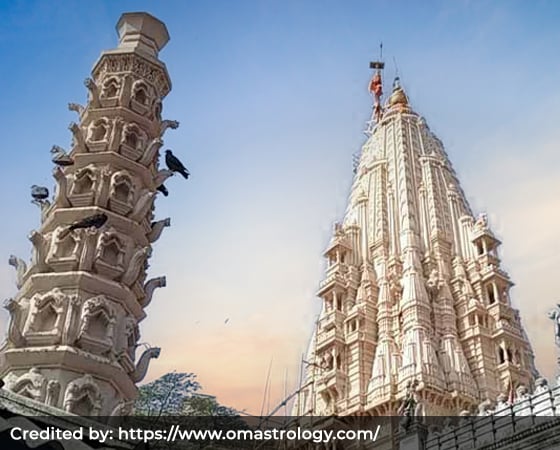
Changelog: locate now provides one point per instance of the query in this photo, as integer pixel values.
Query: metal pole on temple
(376, 85)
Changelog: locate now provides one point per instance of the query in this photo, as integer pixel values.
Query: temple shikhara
(414, 299)
(73, 336)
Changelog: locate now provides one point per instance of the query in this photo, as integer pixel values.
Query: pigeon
(163, 190)
(39, 193)
(60, 157)
(95, 221)
(175, 165)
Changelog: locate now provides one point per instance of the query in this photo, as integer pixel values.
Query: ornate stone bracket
(21, 269)
(15, 335)
(93, 93)
(78, 137)
(150, 287)
(136, 264)
(143, 204)
(161, 176)
(157, 229)
(77, 108)
(62, 189)
(165, 124)
(151, 151)
(142, 367)
(40, 250)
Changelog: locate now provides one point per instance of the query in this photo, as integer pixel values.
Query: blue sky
(272, 100)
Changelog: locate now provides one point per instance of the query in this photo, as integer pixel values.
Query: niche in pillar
(64, 251)
(121, 196)
(133, 141)
(141, 98)
(109, 260)
(110, 92)
(83, 184)
(98, 133)
(97, 325)
(44, 324)
(83, 397)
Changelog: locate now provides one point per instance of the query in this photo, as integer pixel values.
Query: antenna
(396, 67)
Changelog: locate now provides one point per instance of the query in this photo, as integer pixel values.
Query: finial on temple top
(376, 85)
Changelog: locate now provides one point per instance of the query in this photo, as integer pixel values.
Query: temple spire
(438, 314)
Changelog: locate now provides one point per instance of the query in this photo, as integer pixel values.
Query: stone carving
(136, 264)
(541, 385)
(70, 331)
(521, 393)
(61, 198)
(142, 367)
(15, 335)
(433, 284)
(76, 108)
(98, 133)
(121, 195)
(149, 288)
(21, 269)
(410, 405)
(77, 134)
(165, 124)
(93, 99)
(110, 254)
(143, 204)
(555, 316)
(82, 397)
(141, 68)
(31, 385)
(40, 249)
(395, 282)
(46, 317)
(501, 402)
(151, 151)
(97, 325)
(157, 229)
(53, 393)
(141, 98)
(133, 141)
(84, 186)
(111, 87)
(485, 408)
(481, 223)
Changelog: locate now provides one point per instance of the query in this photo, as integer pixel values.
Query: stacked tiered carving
(413, 289)
(73, 333)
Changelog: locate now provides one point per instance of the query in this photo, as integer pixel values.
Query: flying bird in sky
(39, 193)
(60, 157)
(175, 165)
